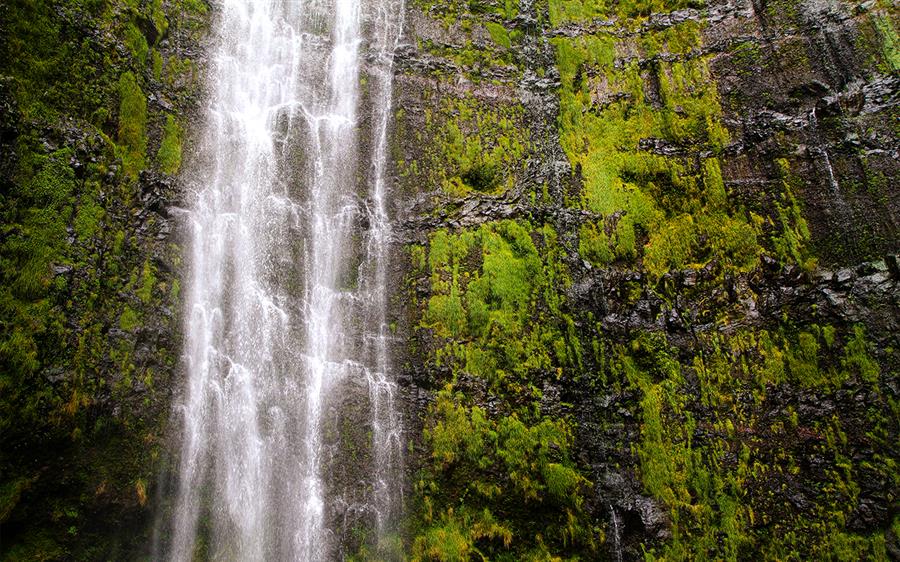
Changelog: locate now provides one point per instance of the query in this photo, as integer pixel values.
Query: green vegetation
(718, 448)
(726, 423)
(74, 75)
(667, 209)
(481, 148)
(137, 44)
(34, 235)
(479, 61)
(711, 459)
(791, 244)
(169, 155)
(665, 206)
(129, 320)
(156, 64)
(486, 481)
(486, 284)
(477, 58)
(498, 34)
(630, 13)
(889, 42)
(132, 123)
(467, 11)
(489, 316)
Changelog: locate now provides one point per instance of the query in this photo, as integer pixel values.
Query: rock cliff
(645, 281)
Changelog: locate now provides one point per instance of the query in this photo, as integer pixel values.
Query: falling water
(287, 334)
(617, 533)
(840, 204)
(386, 431)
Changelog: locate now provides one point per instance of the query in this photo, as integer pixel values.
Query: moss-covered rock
(665, 282)
(89, 338)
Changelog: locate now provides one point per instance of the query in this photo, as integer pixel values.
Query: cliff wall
(652, 255)
(646, 276)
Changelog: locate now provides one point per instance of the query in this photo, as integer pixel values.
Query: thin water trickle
(273, 325)
(617, 533)
(840, 204)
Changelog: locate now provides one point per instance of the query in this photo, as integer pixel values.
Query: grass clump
(169, 154)
(132, 123)
(494, 516)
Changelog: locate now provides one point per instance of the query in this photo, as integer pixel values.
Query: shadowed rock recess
(641, 263)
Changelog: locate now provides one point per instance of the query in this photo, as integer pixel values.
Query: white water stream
(286, 325)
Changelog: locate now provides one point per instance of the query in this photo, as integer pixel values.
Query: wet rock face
(731, 389)
(94, 101)
(645, 286)
(801, 81)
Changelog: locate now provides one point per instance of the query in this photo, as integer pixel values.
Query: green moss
(791, 245)
(494, 61)
(464, 11)
(890, 46)
(671, 246)
(169, 155)
(562, 11)
(88, 219)
(156, 64)
(673, 211)
(480, 148)
(179, 70)
(857, 358)
(595, 245)
(496, 313)
(710, 458)
(54, 68)
(745, 56)
(137, 44)
(129, 319)
(197, 7)
(158, 16)
(454, 537)
(147, 283)
(417, 257)
(37, 241)
(631, 12)
(499, 34)
(64, 258)
(489, 317)
(491, 518)
(132, 123)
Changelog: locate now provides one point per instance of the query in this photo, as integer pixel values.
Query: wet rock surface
(91, 270)
(801, 88)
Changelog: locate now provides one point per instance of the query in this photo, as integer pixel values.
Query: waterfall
(387, 442)
(286, 331)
